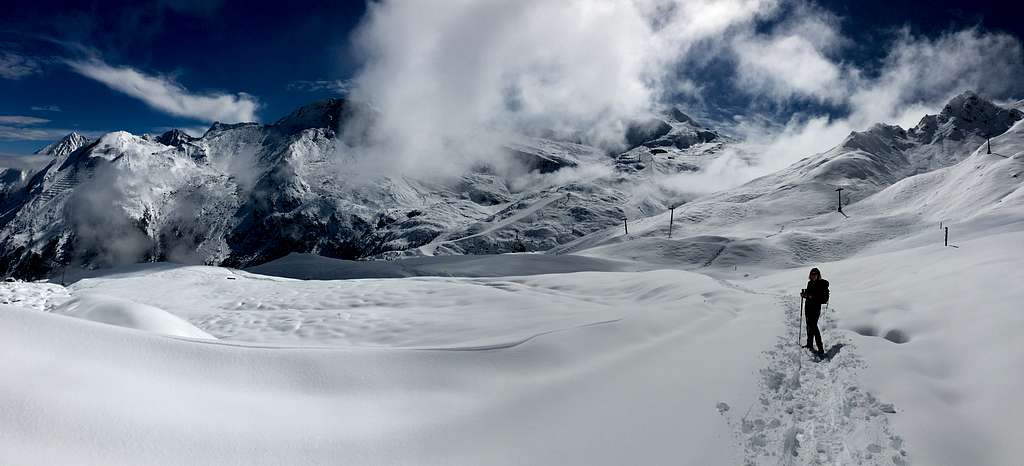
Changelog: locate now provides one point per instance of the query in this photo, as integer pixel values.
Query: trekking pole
(800, 330)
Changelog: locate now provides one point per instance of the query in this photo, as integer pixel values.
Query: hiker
(814, 295)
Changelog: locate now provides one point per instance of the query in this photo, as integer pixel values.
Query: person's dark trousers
(813, 313)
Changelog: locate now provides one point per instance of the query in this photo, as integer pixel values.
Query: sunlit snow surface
(522, 362)
(413, 312)
(563, 368)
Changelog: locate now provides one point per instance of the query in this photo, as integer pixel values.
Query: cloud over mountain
(449, 83)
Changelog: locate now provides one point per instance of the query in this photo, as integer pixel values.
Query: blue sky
(274, 53)
(147, 66)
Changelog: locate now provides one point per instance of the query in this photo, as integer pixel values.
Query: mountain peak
(969, 105)
(321, 114)
(65, 145)
(967, 114)
(681, 117)
(174, 137)
(673, 129)
(218, 126)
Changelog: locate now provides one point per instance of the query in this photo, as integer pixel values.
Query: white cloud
(337, 86)
(925, 73)
(14, 66)
(918, 76)
(22, 120)
(787, 66)
(18, 133)
(46, 108)
(23, 128)
(24, 162)
(165, 95)
(453, 80)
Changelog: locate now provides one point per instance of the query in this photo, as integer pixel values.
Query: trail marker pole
(625, 226)
(671, 219)
(840, 191)
(988, 141)
(946, 241)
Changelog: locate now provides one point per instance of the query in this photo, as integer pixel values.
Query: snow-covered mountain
(244, 194)
(17, 170)
(790, 216)
(65, 146)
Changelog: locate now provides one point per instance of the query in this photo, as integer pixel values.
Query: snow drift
(128, 314)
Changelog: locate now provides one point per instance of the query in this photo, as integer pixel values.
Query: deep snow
(606, 368)
(584, 368)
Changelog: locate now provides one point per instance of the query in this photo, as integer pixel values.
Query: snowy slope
(790, 217)
(15, 171)
(937, 328)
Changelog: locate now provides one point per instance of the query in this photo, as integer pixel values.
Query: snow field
(938, 330)
(582, 368)
(641, 388)
(813, 411)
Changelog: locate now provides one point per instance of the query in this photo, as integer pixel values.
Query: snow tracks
(811, 412)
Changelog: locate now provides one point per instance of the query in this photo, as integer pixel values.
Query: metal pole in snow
(946, 241)
(989, 142)
(671, 218)
(625, 226)
(840, 191)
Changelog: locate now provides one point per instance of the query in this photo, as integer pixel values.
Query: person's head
(814, 275)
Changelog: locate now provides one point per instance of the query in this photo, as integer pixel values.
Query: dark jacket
(817, 292)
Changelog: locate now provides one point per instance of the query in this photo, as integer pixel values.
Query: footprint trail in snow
(811, 412)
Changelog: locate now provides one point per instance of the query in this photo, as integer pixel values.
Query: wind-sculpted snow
(460, 371)
(128, 314)
(263, 309)
(313, 267)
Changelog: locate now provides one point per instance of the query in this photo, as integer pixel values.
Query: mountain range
(245, 194)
